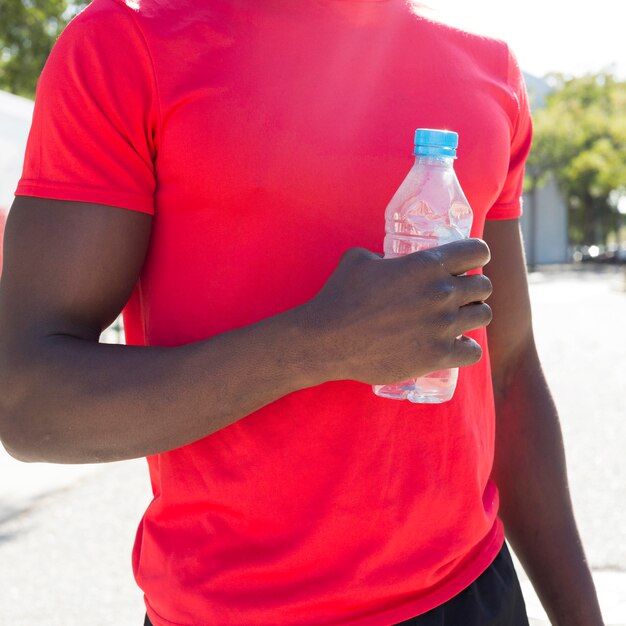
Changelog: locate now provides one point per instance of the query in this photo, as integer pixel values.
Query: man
(221, 170)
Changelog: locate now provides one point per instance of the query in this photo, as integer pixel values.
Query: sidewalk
(66, 559)
(66, 532)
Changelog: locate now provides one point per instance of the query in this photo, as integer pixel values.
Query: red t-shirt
(266, 138)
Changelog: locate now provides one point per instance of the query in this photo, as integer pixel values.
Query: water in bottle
(429, 209)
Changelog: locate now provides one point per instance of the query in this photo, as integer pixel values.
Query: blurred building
(544, 221)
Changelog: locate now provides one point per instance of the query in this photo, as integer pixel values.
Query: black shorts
(494, 599)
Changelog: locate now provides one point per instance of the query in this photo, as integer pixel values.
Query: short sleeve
(509, 202)
(95, 119)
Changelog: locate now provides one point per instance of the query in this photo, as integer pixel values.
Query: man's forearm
(535, 504)
(71, 400)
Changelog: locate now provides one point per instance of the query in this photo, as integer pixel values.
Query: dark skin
(69, 269)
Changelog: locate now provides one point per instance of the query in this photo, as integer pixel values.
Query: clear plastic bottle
(429, 209)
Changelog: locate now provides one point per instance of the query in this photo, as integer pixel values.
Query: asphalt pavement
(66, 532)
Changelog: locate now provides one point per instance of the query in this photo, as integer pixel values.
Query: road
(66, 532)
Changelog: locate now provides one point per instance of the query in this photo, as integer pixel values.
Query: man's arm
(70, 268)
(529, 467)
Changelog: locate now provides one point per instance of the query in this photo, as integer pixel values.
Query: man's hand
(385, 320)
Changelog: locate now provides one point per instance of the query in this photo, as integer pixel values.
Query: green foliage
(28, 30)
(580, 139)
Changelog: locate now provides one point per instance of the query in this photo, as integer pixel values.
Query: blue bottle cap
(434, 142)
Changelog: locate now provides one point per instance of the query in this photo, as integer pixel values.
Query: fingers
(465, 352)
(474, 288)
(471, 317)
(461, 256)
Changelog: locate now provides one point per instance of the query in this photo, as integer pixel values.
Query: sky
(568, 36)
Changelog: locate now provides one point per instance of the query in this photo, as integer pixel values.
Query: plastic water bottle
(429, 209)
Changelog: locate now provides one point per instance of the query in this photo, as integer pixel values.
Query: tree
(580, 139)
(28, 31)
